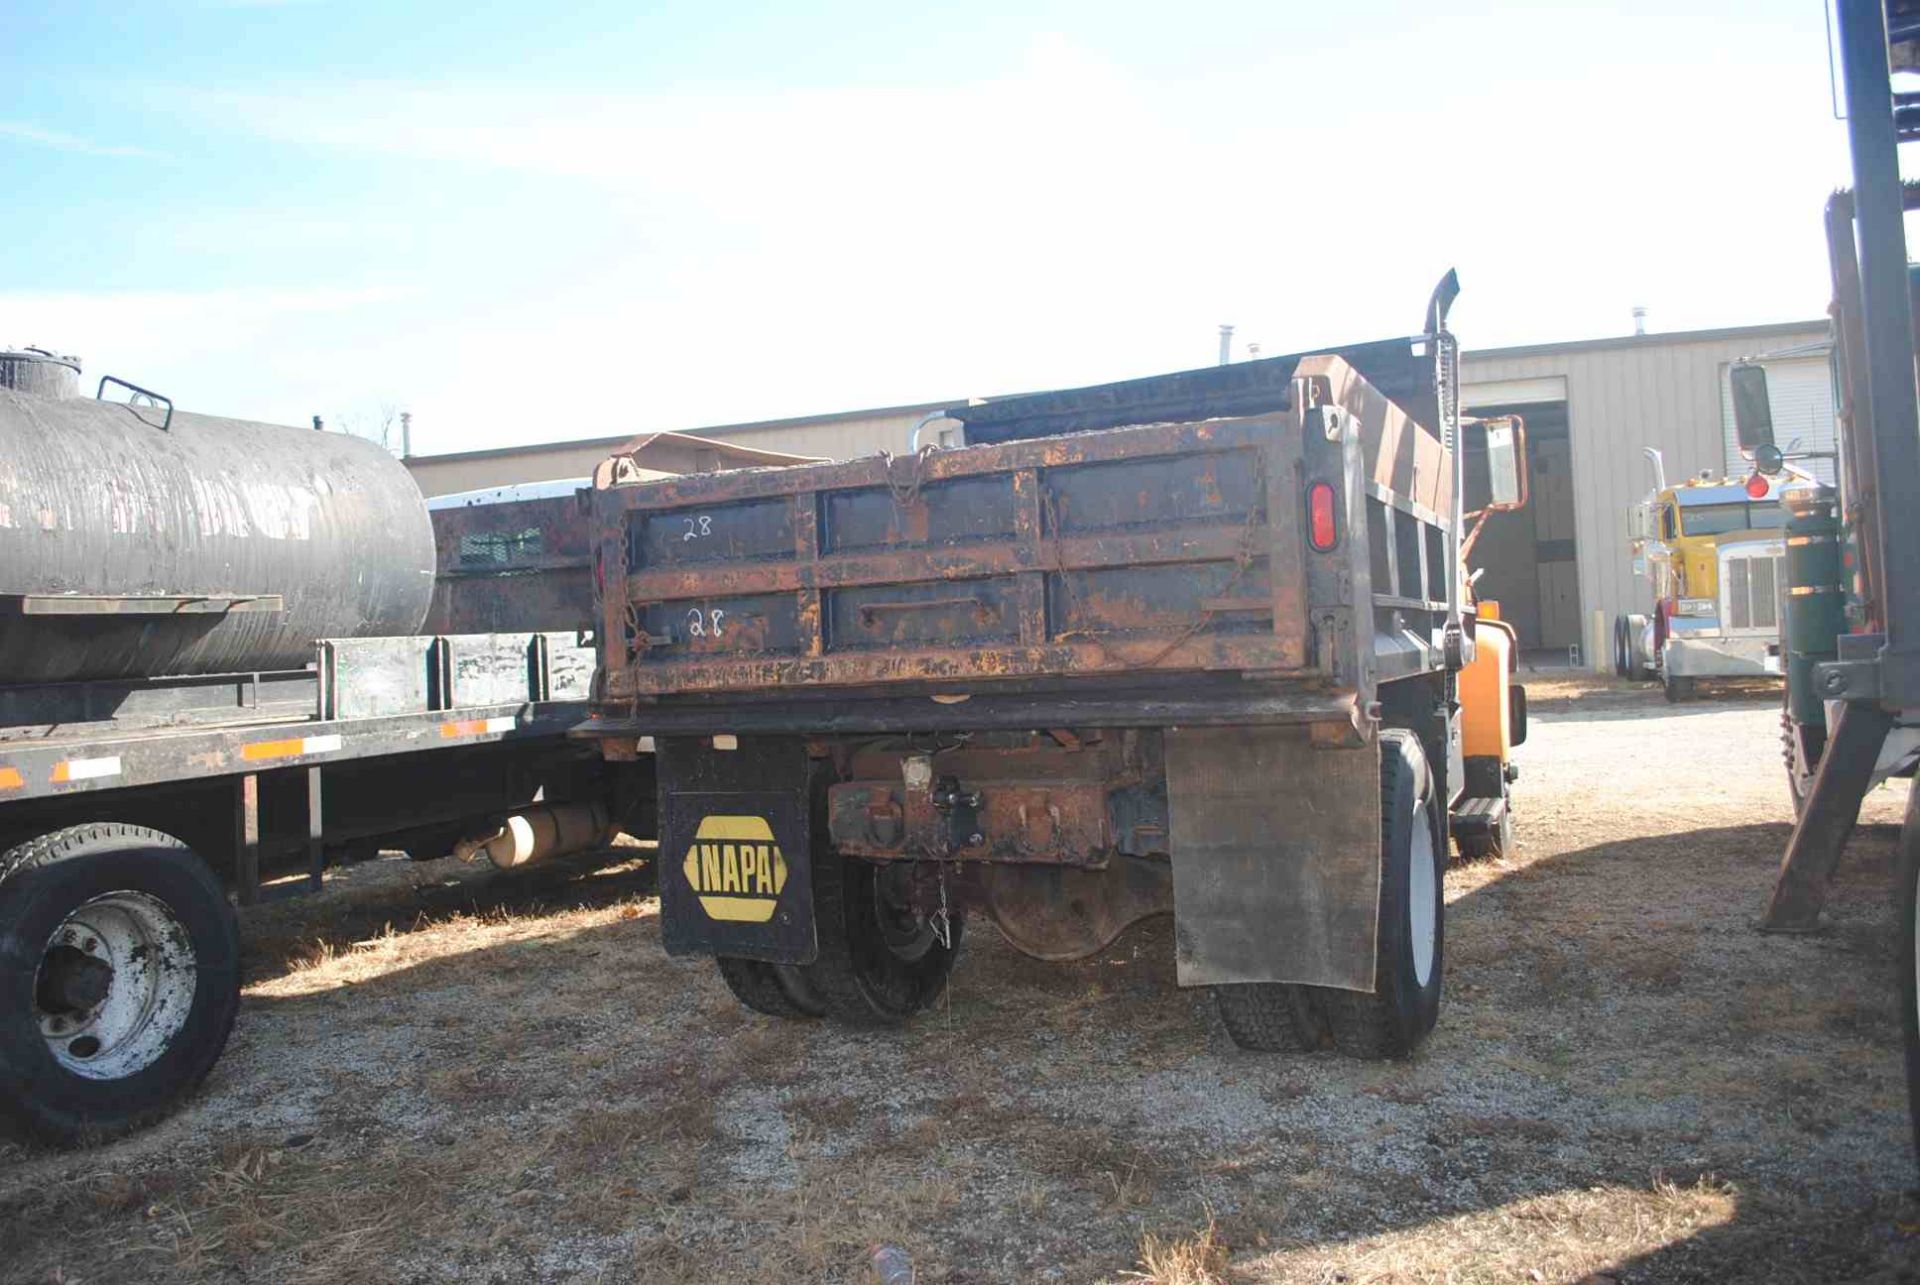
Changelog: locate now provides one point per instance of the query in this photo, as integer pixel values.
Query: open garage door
(1531, 565)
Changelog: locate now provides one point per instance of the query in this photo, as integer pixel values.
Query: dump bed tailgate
(1163, 547)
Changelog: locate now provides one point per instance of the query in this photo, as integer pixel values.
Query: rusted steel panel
(1035, 822)
(942, 514)
(1186, 544)
(1170, 547)
(754, 529)
(755, 625)
(947, 665)
(940, 613)
(1401, 455)
(1137, 601)
(1158, 491)
(511, 565)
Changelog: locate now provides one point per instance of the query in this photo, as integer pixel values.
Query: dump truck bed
(1123, 555)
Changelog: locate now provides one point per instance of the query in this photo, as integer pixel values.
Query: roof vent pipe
(1226, 344)
(1639, 319)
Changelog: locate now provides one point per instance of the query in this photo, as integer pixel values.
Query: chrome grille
(1753, 591)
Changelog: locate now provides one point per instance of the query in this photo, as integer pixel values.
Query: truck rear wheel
(1405, 1003)
(119, 980)
(1271, 1017)
(879, 962)
(777, 990)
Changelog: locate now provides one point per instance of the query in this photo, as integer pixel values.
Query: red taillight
(1323, 529)
(1757, 486)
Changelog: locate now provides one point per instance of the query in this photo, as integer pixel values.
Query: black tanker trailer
(211, 672)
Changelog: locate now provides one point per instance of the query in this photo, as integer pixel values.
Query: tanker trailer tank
(139, 542)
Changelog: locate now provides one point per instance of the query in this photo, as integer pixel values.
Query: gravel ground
(445, 1075)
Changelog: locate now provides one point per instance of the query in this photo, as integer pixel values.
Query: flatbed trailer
(130, 809)
(1188, 644)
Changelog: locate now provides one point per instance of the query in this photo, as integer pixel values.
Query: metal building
(1590, 407)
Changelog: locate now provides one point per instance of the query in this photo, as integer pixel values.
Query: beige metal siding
(447, 474)
(1801, 392)
(839, 438)
(1662, 392)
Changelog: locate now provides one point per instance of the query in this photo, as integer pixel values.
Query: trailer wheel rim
(1423, 918)
(115, 984)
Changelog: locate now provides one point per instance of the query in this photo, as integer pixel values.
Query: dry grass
(1196, 1259)
(441, 1074)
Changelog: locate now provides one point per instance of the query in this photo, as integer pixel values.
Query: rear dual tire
(1630, 658)
(879, 963)
(1399, 1013)
(119, 980)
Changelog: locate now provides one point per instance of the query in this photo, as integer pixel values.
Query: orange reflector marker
(476, 727)
(1323, 531)
(10, 778)
(292, 747)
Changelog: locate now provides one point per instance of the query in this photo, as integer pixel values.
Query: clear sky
(529, 223)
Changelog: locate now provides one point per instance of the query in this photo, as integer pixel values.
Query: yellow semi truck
(1713, 549)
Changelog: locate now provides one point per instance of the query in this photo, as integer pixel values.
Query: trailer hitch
(960, 810)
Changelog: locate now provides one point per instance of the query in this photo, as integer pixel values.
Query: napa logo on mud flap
(735, 868)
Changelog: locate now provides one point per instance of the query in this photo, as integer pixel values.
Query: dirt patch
(441, 1074)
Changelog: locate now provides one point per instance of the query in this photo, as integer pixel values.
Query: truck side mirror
(1637, 524)
(1506, 463)
(1752, 410)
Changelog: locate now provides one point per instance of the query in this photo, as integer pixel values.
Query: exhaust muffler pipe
(541, 833)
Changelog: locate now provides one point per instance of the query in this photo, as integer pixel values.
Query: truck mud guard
(735, 865)
(1276, 857)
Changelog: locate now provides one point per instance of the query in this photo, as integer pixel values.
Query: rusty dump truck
(1189, 644)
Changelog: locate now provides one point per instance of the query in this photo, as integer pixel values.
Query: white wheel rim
(1423, 912)
(148, 992)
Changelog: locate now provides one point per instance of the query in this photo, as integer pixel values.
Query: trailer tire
(1622, 649)
(1270, 1017)
(875, 968)
(1405, 1002)
(87, 1051)
(1639, 665)
(775, 990)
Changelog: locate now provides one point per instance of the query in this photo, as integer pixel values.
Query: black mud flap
(735, 871)
(1276, 857)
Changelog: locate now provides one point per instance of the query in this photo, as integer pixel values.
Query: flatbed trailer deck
(130, 809)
